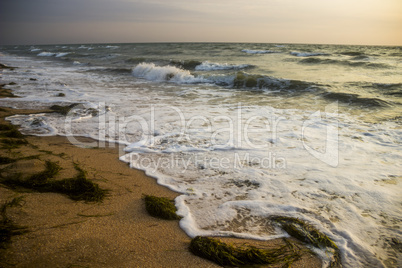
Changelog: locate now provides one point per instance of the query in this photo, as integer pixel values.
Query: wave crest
(51, 54)
(186, 64)
(364, 64)
(46, 54)
(307, 54)
(250, 51)
(355, 99)
(211, 66)
(251, 81)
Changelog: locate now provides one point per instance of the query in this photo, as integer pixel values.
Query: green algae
(7, 228)
(78, 188)
(309, 235)
(161, 207)
(228, 255)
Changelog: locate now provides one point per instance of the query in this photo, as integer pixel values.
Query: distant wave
(244, 80)
(62, 54)
(135, 60)
(393, 89)
(355, 99)
(361, 57)
(393, 86)
(352, 63)
(211, 66)
(46, 54)
(238, 80)
(151, 72)
(85, 47)
(115, 70)
(352, 53)
(186, 64)
(51, 54)
(112, 47)
(249, 51)
(253, 82)
(307, 54)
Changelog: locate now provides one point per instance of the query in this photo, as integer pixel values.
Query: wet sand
(117, 232)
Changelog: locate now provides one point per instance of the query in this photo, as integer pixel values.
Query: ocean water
(243, 131)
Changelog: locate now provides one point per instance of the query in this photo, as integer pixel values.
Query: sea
(243, 131)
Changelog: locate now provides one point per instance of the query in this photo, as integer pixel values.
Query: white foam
(211, 66)
(36, 124)
(62, 54)
(306, 54)
(250, 51)
(46, 54)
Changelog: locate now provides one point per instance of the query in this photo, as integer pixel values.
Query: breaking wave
(46, 54)
(238, 80)
(62, 54)
(151, 72)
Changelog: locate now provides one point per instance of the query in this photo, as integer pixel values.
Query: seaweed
(62, 109)
(228, 255)
(78, 188)
(6, 127)
(38, 181)
(7, 228)
(161, 207)
(42, 178)
(6, 160)
(13, 133)
(13, 143)
(11, 136)
(309, 235)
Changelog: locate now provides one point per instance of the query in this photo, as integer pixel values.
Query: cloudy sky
(369, 22)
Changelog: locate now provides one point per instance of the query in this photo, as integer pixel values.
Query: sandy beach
(117, 232)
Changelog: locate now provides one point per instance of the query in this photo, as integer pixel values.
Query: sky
(362, 22)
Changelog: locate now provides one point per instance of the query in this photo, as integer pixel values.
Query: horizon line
(200, 42)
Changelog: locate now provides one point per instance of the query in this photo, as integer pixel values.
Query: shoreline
(114, 233)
